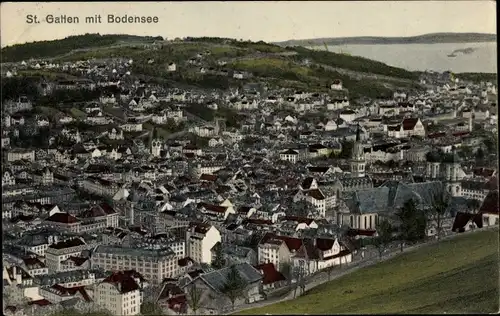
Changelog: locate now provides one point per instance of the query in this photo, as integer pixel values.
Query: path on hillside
(371, 258)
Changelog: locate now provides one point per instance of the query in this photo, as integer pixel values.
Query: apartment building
(57, 254)
(98, 218)
(200, 239)
(21, 154)
(155, 263)
(120, 293)
(273, 251)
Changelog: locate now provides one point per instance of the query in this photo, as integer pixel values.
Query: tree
(440, 205)
(384, 237)
(150, 308)
(413, 222)
(219, 261)
(479, 154)
(330, 269)
(234, 286)
(194, 297)
(287, 270)
(490, 144)
(301, 280)
(473, 205)
(347, 147)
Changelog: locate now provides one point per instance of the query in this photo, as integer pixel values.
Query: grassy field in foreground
(456, 276)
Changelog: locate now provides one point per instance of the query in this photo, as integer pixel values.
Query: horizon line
(288, 40)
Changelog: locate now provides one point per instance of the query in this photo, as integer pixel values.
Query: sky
(253, 20)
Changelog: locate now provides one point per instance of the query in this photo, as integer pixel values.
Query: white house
(119, 293)
(290, 155)
(336, 85)
(171, 67)
(201, 238)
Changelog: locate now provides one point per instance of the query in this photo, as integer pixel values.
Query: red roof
(299, 219)
(214, 208)
(202, 228)
(409, 123)
(107, 208)
(72, 291)
(69, 243)
(258, 221)
(42, 302)
(490, 204)
(315, 193)
(291, 243)
(178, 303)
(208, 177)
(78, 260)
(460, 134)
(124, 282)
(437, 135)
(342, 253)
(462, 219)
(361, 232)
(183, 262)
(270, 274)
(324, 244)
(484, 172)
(64, 218)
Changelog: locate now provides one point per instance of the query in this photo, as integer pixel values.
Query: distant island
(433, 38)
(464, 51)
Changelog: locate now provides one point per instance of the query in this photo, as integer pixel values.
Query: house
(98, 218)
(211, 285)
(490, 210)
(200, 239)
(336, 85)
(171, 67)
(273, 250)
(348, 115)
(290, 155)
(413, 127)
(172, 298)
(271, 278)
(320, 253)
(120, 293)
(43, 177)
(467, 221)
(56, 254)
(315, 197)
(21, 154)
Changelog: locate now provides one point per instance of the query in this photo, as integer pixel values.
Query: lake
(421, 57)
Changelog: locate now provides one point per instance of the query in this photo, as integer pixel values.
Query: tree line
(43, 49)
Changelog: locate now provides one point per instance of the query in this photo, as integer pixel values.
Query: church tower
(358, 161)
(452, 176)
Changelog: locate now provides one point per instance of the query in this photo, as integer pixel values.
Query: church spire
(358, 133)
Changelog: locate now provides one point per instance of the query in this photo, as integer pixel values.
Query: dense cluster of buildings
(104, 212)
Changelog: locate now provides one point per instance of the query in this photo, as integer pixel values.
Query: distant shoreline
(344, 44)
(435, 38)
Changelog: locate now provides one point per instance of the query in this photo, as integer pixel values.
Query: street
(371, 257)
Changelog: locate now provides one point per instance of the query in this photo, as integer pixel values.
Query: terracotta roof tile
(270, 274)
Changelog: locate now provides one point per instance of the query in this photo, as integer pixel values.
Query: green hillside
(43, 49)
(455, 276)
(294, 67)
